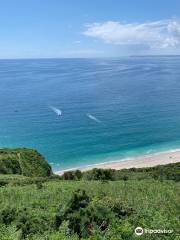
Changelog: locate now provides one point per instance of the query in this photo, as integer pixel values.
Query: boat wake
(93, 118)
(56, 110)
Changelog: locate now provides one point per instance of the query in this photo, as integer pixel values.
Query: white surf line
(93, 118)
(56, 110)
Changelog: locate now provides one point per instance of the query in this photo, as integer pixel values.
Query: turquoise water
(135, 99)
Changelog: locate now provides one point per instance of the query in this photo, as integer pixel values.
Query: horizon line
(112, 57)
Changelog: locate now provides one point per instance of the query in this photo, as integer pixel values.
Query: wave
(56, 110)
(98, 164)
(93, 118)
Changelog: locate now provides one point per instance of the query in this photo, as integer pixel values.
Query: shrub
(9, 165)
(78, 174)
(78, 200)
(72, 175)
(84, 216)
(69, 175)
(30, 225)
(7, 215)
(99, 174)
(39, 185)
(162, 172)
(3, 183)
(9, 233)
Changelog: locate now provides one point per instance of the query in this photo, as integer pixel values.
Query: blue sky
(83, 28)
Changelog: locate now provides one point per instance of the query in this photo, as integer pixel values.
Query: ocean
(109, 109)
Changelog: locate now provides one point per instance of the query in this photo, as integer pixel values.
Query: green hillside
(27, 162)
(97, 205)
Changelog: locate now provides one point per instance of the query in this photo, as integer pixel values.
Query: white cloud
(162, 34)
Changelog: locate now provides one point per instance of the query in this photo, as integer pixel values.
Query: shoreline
(149, 160)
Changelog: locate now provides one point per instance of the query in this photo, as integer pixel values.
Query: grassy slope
(33, 201)
(154, 202)
(27, 162)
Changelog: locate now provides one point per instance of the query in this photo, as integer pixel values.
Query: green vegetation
(162, 172)
(95, 205)
(27, 162)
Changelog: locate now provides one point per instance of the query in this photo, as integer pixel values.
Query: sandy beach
(138, 162)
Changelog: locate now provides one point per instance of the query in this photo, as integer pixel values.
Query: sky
(88, 28)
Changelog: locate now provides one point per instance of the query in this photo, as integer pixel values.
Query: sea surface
(111, 108)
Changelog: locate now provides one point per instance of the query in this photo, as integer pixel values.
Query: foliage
(84, 215)
(29, 224)
(3, 183)
(99, 174)
(7, 215)
(27, 162)
(63, 210)
(9, 233)
(9, 165)
(72, 175)
(161, 172)
(113, 204)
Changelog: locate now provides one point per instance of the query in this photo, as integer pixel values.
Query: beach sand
(137, 162)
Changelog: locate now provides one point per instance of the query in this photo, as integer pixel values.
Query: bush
(69, 175)
(9, 233)
(85, 216)
(99, 174)
(30, 225)
(7, 215)
(3, 183)
(78, 174)
(39, 185)
(162, 172)
(78, 200)
(119, 208)
(72, 175)
(9, 165)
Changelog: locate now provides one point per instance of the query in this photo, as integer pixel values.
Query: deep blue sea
(135, 100)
